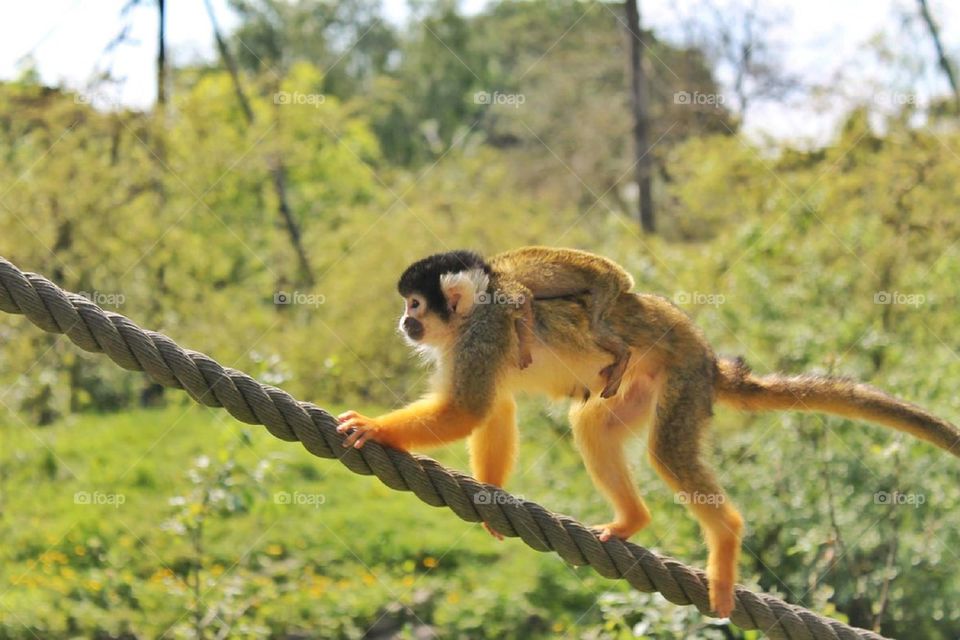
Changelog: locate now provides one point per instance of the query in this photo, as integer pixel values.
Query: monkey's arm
(521, 299)
(458, 405)
(493, 446)
(429, 422)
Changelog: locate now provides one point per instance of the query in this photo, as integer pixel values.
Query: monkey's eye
(414, 304)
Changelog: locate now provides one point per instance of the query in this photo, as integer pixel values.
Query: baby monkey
(543, 273)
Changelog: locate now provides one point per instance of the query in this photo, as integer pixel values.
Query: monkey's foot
(622, 530)
(361, 429)
(496, 534)
(721, 598)
(613, 374)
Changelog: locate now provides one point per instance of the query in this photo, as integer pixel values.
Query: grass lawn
(183, 522)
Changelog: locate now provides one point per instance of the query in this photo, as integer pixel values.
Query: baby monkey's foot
(525, 359)
(613, 374)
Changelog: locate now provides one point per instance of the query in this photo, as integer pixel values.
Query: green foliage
(841, 259)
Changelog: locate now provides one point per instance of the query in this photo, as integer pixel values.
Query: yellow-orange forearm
(493, 447)
(428, 422)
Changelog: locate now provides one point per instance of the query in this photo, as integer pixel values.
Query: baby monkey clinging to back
(542, 273)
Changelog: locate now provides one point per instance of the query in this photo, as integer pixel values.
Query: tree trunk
(277, 170)
(641, 116)
(230, 64)
(293, 230)
(162, 53)
(941, 54)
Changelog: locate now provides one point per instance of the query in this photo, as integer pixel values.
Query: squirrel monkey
(532, 273)
(669, 387)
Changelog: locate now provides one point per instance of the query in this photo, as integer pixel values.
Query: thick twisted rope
(93, 329)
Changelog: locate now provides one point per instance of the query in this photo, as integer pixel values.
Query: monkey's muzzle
(413, 328)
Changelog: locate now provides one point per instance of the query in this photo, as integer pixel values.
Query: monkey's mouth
(413, 328)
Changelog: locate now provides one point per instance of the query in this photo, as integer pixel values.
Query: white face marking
(418, 325)
(414, 306)
(464, 289)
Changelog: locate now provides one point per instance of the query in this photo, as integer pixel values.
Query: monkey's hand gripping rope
(93, 329)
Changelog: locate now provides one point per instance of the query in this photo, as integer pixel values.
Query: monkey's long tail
(737, 386)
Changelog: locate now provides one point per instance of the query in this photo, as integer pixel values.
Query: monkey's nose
(414, 328)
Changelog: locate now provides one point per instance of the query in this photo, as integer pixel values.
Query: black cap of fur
(423, 276)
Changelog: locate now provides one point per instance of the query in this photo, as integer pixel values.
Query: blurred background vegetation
(260, 212)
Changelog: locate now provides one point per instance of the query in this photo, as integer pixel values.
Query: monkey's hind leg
(601, 429)
(675, 453)
(613, 372)
(493, 447)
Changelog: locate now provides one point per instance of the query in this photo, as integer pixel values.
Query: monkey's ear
(463, 289)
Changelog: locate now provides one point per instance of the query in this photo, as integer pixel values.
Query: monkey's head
(439, 292)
